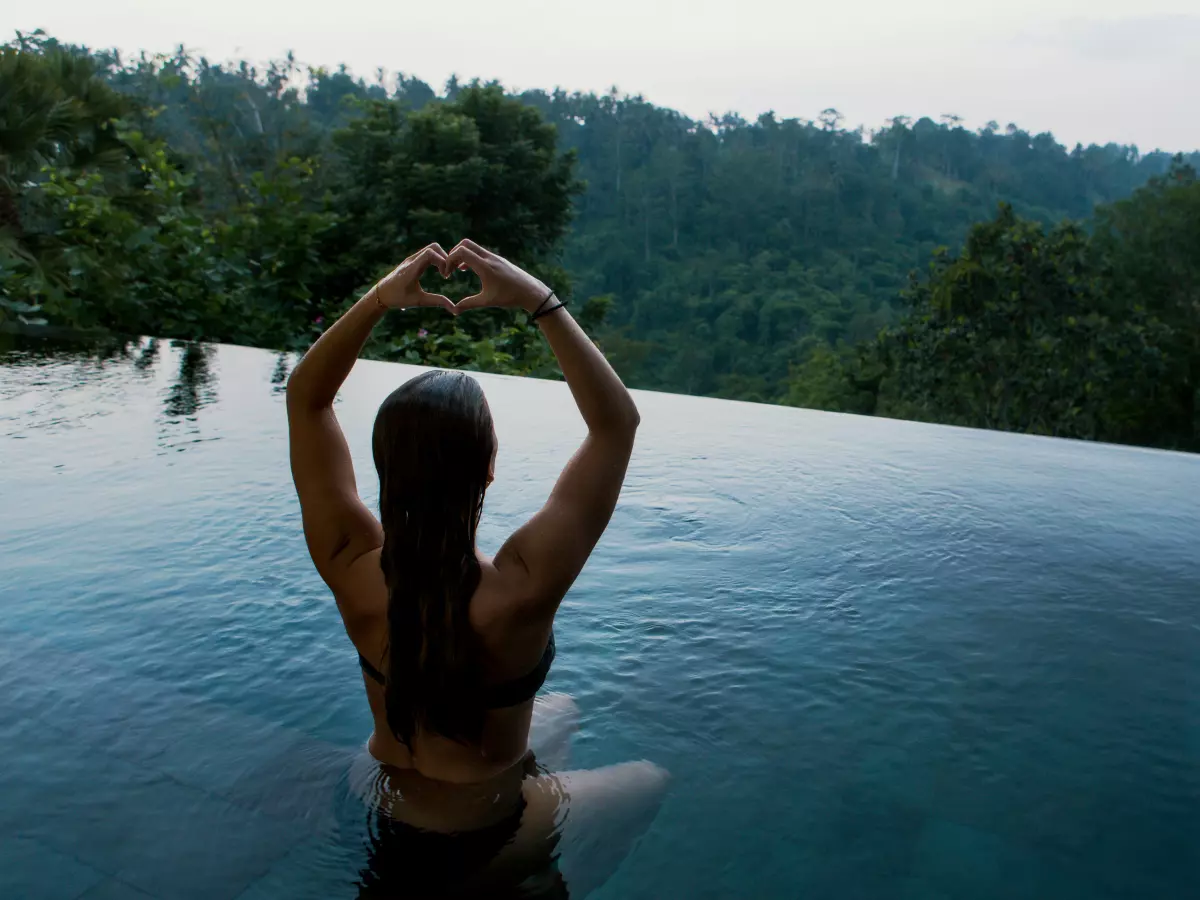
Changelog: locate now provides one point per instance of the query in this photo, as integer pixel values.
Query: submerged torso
(512, 650)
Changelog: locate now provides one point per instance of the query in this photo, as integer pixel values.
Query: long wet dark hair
(433, 445)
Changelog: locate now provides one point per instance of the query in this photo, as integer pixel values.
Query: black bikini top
(510, 693)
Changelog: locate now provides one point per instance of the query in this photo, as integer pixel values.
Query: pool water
(879, 659)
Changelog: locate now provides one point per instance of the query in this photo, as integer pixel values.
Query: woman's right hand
(401, 288)
(503, 284)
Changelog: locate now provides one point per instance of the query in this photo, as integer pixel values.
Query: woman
(453, 645)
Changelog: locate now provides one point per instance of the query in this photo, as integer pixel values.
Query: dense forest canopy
(734, 248)
(766, 260)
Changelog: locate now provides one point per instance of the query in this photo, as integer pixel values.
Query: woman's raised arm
(548, 552)
(337, 526)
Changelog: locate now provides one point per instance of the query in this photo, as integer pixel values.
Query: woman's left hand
(401, 288)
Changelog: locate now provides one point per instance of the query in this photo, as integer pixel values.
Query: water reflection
(194, 388)
(279, 377)
(195, 385)
(20, 349)
(148, 356)
(43, 378)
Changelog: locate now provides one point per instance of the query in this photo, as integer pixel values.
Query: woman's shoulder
(499, 609)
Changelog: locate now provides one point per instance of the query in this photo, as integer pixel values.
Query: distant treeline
(767, 260)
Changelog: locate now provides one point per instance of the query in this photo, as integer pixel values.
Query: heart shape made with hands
(502, 284)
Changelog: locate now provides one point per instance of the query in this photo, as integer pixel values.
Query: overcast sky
(1087, 70)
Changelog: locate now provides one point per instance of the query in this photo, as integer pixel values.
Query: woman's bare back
(511, 649)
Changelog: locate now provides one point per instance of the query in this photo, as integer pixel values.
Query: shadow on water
(195, 384)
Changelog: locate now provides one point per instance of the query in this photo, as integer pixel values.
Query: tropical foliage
(1050, 331)
(136, 202)
(767, 260)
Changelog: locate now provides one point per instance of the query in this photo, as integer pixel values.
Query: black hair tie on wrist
(549, 309)
(535, 313)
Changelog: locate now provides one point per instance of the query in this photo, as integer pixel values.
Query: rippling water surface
(880, 659)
